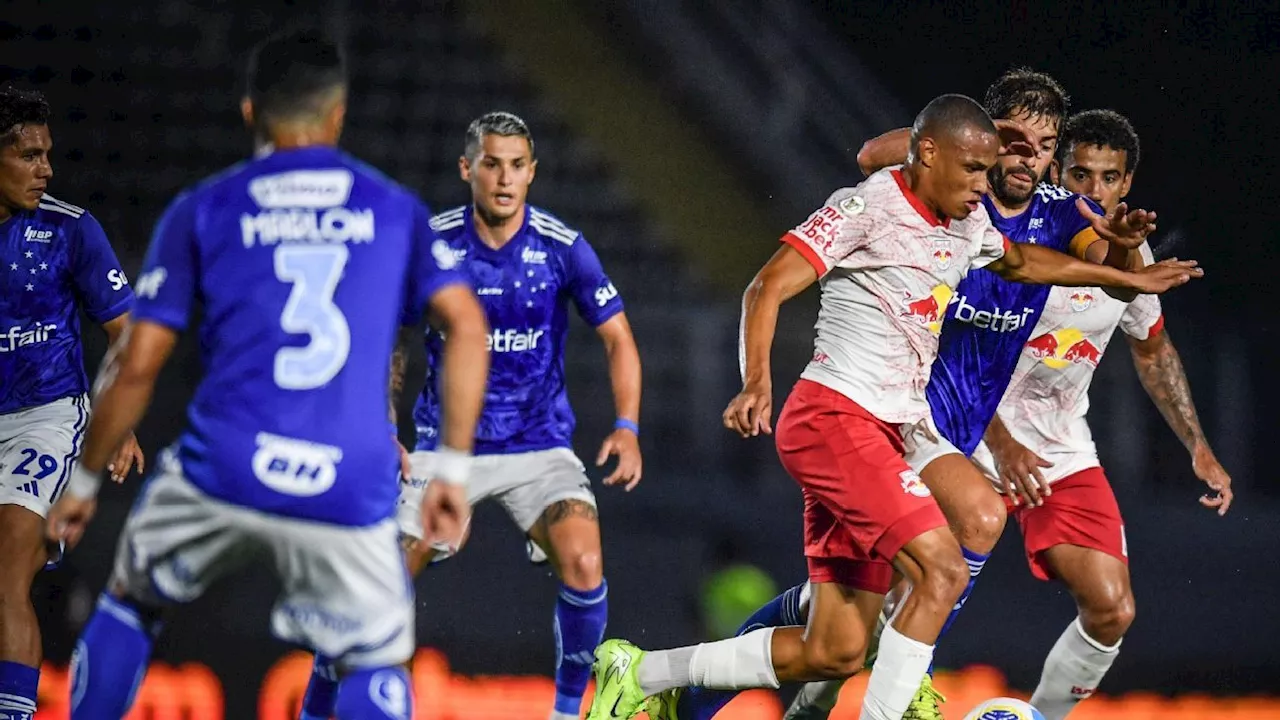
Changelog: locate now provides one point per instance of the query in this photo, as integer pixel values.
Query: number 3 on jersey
(314, 272)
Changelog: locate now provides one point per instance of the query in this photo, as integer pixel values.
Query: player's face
(24, 167)
(500, 175)
(1014, 178)
(1098, 174)
(960, 171)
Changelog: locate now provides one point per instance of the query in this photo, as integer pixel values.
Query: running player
(888, 253)
(304, 260)
(56, 262)
(1043, 453)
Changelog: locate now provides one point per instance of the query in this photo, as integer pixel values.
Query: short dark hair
(1024, 89)
(1104, 128)
(947, 115)
(290, 74)
(497, 122)
(18, 108)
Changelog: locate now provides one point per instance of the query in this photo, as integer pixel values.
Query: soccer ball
(1004, 709)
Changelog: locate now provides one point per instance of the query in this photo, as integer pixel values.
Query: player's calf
(22, 555)
(111, 658)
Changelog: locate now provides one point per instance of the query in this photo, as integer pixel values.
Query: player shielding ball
(55, 262)
(1042, 454)
(304, 260)
(882, 251)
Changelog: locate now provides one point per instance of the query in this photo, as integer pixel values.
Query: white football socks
(737, 663)
(1075, 666)
(895, 678)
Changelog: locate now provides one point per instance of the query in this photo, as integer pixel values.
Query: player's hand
(626, 446)
(1127, 228)
(1015, 139)
(1020, 475)
(445, 513)
(1208, 469)
(68, 519)
(1164, 275)
(749, 413)
(128, 454)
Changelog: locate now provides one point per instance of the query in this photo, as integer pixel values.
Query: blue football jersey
(56, 262)
(990, 318)
(525, 288)
(304, 262)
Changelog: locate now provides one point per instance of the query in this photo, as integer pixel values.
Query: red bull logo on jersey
(1061, 348)
(1080, 300)
(929, 310)
(912, 484)
(942, 258)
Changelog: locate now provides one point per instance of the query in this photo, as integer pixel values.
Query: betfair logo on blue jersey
(997, 320)
(17, 337)
(509, 340)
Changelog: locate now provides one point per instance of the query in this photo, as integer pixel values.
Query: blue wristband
(625, 424)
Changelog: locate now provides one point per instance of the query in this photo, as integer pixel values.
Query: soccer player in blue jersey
(56, 262)
(305, 261)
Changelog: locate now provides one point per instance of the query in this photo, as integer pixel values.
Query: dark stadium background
(683, 138)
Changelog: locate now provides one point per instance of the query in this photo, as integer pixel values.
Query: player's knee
(982, 522)
(944, 575)
(831, 659)
(581, 568)
(1108, 618)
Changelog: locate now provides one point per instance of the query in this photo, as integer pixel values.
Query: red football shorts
(862, 502)
(1081, 511)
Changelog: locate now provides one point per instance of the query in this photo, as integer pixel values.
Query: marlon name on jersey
(305, 206)
(997, 320)
(16, 337)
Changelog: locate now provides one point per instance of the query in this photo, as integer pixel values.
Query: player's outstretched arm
(786, 275)
(464, 368)
(121, 397)
(1036, 265)
(625, 377)
(1160, 369)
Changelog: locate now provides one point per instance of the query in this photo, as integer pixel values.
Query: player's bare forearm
(464, 367)
(624, 365)
(1117, 256)
(1036, 265)
(399, 361)
(786, 275)
(115, 327)
(124, 390)
(888, 149)
(996, 435)
(1163, 377)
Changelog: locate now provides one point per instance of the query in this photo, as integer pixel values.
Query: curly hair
(1103, 128)
(1025, 90)
(18, 108)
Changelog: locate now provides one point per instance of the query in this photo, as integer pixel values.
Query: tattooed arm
(399, 361)
(1160, 369)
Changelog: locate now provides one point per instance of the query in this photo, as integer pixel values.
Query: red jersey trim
(1156, 327)
(917, 203)
(807, 252)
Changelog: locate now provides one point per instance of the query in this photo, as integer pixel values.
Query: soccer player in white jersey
(55, 262)
(305, 261)
(1040, 448)
(884, 252)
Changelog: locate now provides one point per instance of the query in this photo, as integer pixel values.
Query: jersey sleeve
(993, 246)
(834, 231)
(433, 266)
(1144, 317)
(101, 285)
(169, 279)
(1069, 223)
(592, 291)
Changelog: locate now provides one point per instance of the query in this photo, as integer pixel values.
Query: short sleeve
(170, 274)
(834, 231)
(433, 266)
(1069, 223)
(101, 284)
(592, 291)
(1144, 317)
(993, 246)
